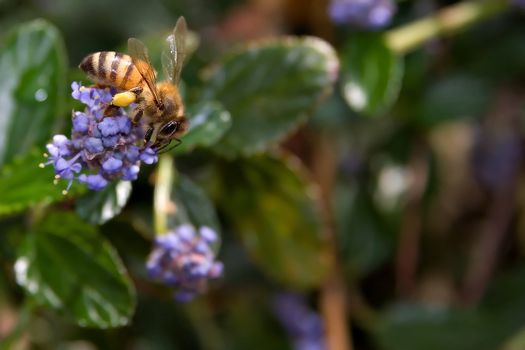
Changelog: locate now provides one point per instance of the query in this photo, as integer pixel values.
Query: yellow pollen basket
(124, 99)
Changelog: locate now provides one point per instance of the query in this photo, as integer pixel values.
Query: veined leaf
(270, 204)
(65, 264)
(208, 122)
(269, 89)
(23, 184)
(32, 76)
(99, 207)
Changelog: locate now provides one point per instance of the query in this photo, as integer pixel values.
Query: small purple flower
(124, 124)
(80, 122)
(366, 14)
(130, 173)
(94, 182)
(112, 165)
(59, 147)
(108, 127)
(94, 145)
(104, 144)
(183, 259)
(149, 156)
(208, 234)
(303, 325)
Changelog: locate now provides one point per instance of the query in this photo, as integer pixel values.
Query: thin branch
(410, 232)
(500, 124)
(333, 295)
(447, 21)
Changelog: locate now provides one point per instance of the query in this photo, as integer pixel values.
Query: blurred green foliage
(400, 172)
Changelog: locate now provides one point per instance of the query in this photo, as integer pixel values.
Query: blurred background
(408, 173)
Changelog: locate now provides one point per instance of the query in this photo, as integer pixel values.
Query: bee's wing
(174, 53)
(139, 53)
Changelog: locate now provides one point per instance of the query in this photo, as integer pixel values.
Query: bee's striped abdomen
(112, 68)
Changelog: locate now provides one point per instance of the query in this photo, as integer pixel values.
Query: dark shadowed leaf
(179, 201)
(334, 115)
(208, 122)
(270, 204)
(99, 207)
(486, 327)
(363, 239)
(32, 77)
(453, 98)
(23, 184)
(255, 333)
(269, 89)
(412, 327)
(193, 205)
(65, 264)
(371, 73)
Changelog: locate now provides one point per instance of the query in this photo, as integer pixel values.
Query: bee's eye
(169, 128)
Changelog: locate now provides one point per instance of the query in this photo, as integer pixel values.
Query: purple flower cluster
(104, 144)
(183, 259)
(303, 325)
(368, 14)
(518, 3)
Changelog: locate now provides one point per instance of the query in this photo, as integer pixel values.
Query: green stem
(446, 21)
(209, 334)
(162, 204)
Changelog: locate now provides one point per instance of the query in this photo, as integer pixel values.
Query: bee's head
(160, 135)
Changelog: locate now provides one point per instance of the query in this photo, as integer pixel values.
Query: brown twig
(499, 126)
(333, 301)
(410, 232)
(485, 252)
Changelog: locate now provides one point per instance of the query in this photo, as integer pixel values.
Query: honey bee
(159, 104)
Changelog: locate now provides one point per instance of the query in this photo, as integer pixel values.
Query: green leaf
(414, 327)
(371, 74)
(363, 239)
(208, 123)
(334, 115)
(454, 97)
(269, 203)
(269, 89)
(32, 76)
(99, 207)
(193, 206)
(65, 264)
(23, 184)
(249, 323)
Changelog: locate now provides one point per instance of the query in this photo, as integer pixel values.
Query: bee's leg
(136, 115)
(136, 90)
(147, 136)
(97, 86)
(110, 111)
